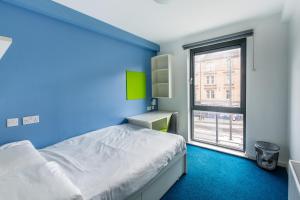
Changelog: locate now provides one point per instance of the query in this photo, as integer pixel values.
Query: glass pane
(217, 78)
(223, 129)
(230, 130)
(205, 126)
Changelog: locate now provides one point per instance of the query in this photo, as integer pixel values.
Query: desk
(157, 120)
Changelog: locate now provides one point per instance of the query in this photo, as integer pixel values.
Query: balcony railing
(221, 129)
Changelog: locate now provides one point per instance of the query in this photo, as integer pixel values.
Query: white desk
(157, 120)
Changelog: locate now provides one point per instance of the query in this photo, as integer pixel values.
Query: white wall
(267, 87)
(294, 114)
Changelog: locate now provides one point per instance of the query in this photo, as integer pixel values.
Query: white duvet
(114, 162)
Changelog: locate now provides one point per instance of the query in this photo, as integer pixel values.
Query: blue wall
(73, 78)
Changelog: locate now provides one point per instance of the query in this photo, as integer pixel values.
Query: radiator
(294, 179)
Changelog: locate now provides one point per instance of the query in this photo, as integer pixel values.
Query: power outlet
(149, 108)
(31, 120)
(12, 122)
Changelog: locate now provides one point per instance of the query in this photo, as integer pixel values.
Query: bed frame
(160, 184)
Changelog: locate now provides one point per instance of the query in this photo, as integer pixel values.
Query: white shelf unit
(161, 69)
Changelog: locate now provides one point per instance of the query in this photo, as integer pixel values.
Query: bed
(121, 162)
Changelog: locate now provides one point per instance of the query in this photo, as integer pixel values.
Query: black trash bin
(267, 155)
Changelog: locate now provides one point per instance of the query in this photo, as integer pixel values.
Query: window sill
(219, 149)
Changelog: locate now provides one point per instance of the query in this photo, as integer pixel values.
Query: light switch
(12, 122)
(31, 120)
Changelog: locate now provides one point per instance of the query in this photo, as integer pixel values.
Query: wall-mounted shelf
(161, 76)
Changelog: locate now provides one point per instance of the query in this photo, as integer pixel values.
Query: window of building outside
(212, 94)
(212, 80)
(228, 94)
(209, 67)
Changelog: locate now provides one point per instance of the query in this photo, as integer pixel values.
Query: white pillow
(19, 155)
(26, 175)
(39, 182)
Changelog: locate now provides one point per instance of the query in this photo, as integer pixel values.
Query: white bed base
(160, 184)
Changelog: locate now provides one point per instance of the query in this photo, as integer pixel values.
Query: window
(228, 95)
(212, 80)
(219, 119)
(207, 94)
(209, 67)
(212, 94)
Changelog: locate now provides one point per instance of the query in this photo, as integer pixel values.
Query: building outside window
(216, 76)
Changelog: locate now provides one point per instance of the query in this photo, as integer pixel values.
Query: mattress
(115, 162)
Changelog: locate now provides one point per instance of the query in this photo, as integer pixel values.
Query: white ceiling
(165, 22)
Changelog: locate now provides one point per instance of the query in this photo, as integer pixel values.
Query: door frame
(227, 45)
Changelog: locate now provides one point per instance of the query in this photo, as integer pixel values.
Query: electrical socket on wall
(31, 120)
(12, 122)
(149, 108)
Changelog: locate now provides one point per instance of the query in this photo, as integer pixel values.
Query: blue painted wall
(73, 78)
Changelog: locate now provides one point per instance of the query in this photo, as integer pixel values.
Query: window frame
(239, 43)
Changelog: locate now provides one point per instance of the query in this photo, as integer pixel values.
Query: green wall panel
(135, 85)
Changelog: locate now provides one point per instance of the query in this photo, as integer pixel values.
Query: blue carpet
(217, 176)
